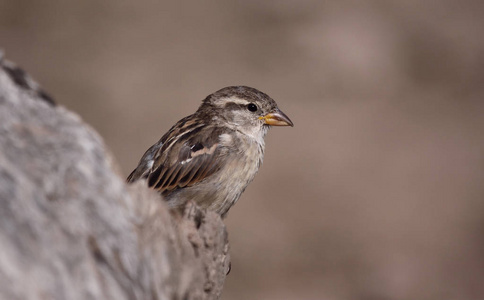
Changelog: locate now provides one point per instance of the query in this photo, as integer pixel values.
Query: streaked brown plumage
(212, 155)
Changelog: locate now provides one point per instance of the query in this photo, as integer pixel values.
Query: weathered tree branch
(70, 228)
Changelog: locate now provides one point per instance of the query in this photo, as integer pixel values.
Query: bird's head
(244, 108)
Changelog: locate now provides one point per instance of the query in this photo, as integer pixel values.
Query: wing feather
(186, 158)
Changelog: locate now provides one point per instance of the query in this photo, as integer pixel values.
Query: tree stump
(70, 228)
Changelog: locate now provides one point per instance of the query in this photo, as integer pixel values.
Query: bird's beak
(277, 118)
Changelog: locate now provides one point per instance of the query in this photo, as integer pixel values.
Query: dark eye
(252, 107)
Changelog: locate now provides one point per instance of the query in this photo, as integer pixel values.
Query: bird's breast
(242, 163)
(242, 156)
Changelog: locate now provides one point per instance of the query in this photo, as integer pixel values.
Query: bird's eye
(252, 107)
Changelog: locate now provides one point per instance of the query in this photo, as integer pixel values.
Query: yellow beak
(277, 118)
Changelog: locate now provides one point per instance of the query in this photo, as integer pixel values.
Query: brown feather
(193, 156)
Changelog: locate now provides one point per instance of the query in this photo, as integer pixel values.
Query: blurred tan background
(376, 193)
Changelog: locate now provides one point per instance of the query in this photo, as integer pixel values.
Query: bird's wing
(191, 151)
(145, 163)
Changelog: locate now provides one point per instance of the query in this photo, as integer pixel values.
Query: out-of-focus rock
(70, 228)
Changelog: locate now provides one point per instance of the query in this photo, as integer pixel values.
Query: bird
(211, 156)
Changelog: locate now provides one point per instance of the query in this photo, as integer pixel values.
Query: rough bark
(70, 228)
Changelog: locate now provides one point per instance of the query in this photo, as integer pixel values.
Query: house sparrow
(212, 155)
